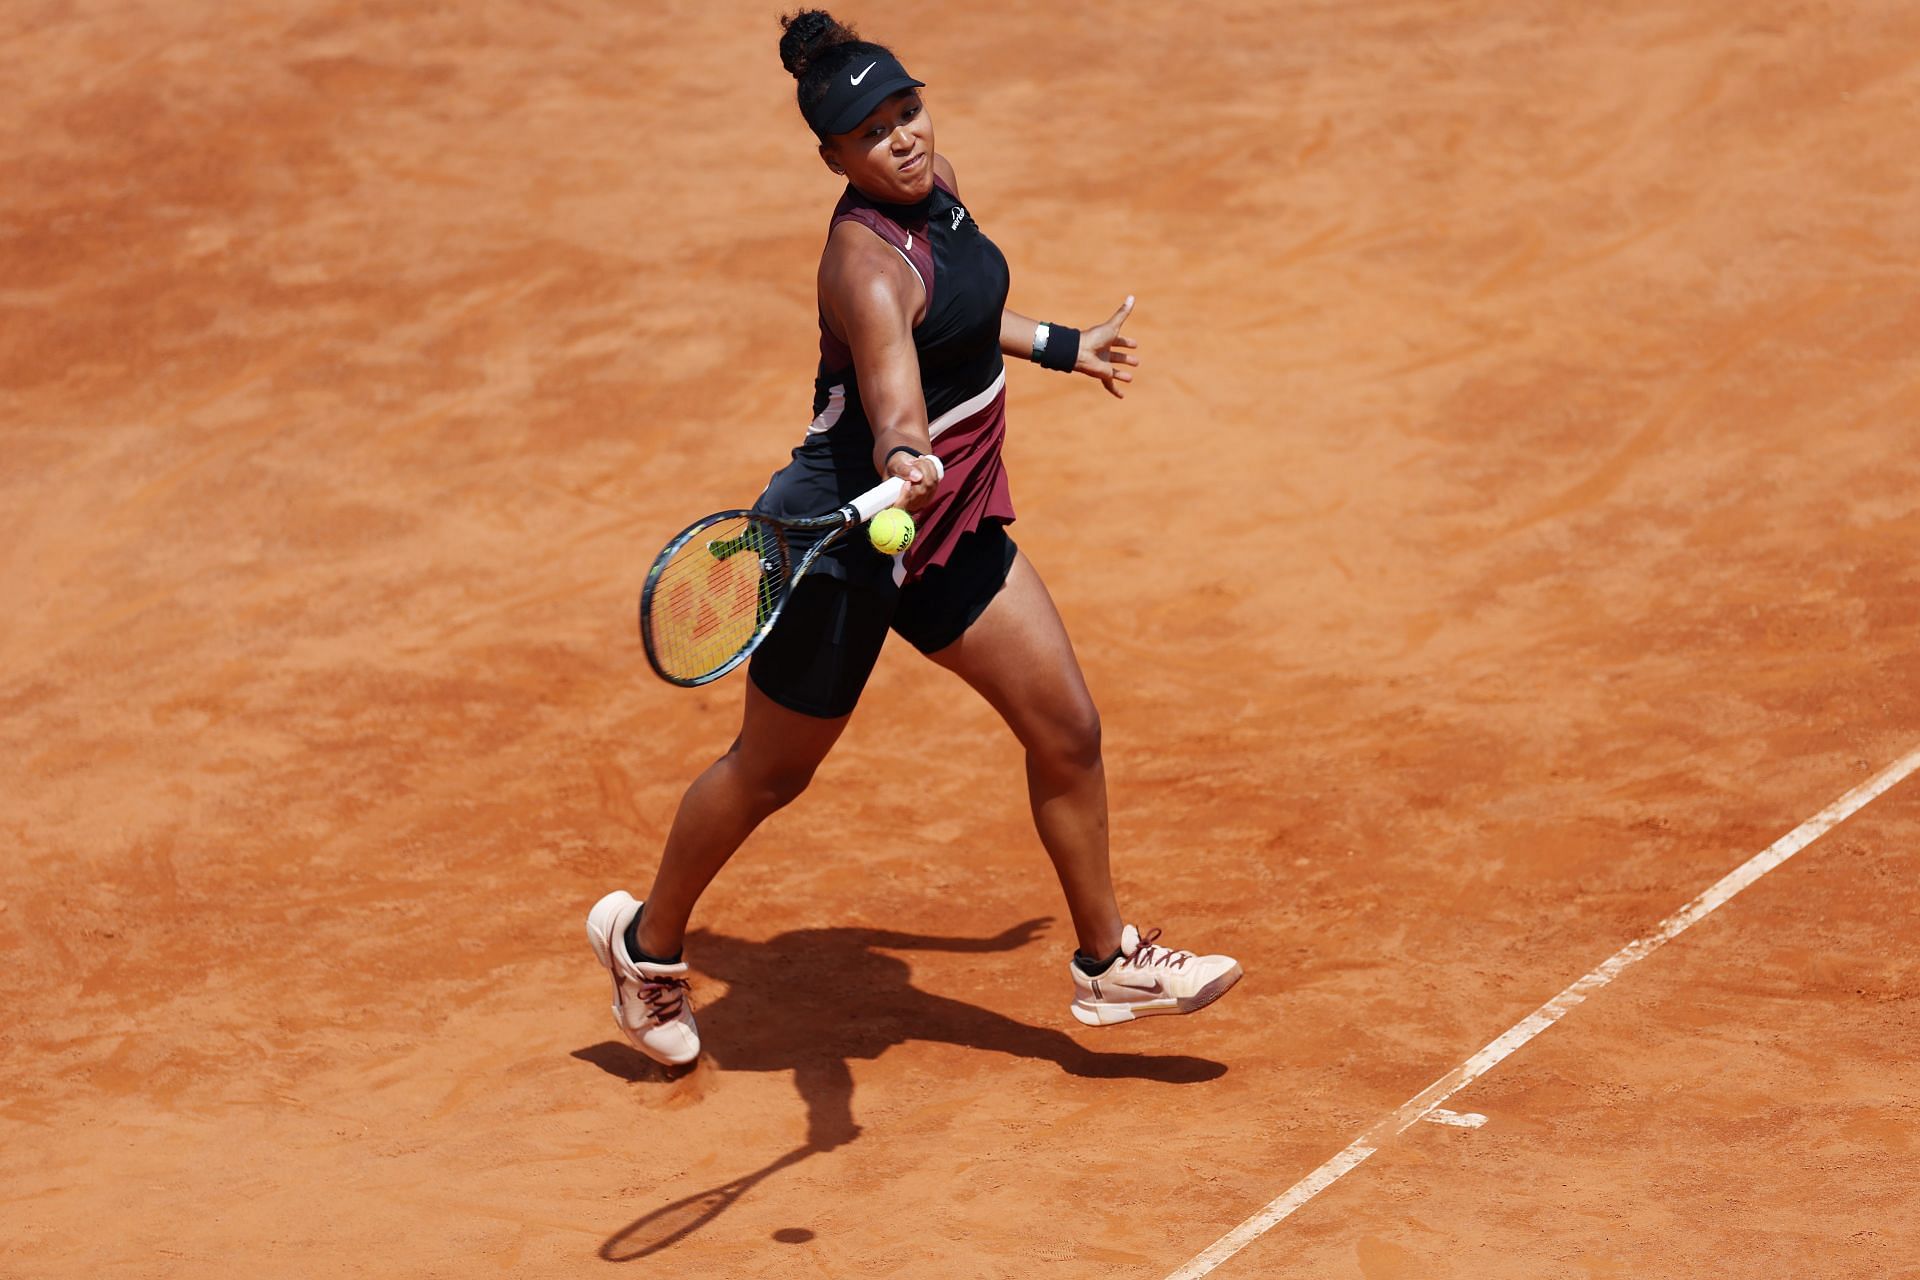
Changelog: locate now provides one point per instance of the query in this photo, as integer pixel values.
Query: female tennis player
(913, 327)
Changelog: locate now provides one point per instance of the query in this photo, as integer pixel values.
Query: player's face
(890, 156)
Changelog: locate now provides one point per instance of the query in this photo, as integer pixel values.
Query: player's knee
(764, 781)
(780, 785)
(1073, 737)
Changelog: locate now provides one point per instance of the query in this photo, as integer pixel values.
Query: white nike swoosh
(863, 75)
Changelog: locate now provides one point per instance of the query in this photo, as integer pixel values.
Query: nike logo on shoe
(1153, 990)
(863, 75)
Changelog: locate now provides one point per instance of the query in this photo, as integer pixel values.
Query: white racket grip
(879, 498)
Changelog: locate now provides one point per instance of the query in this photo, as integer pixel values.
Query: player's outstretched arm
(1103, 352)
(872, 299)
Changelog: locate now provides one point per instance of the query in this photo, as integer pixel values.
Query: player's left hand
(1106, 355)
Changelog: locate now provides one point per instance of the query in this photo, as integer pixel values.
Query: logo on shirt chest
(959, 216)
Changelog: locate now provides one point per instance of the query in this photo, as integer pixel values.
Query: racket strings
(714, 594)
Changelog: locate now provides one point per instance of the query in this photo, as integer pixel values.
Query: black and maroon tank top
(961, 376)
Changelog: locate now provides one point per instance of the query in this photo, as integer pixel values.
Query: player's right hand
(921, 475)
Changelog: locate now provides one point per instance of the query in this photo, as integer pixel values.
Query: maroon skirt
(967, 441)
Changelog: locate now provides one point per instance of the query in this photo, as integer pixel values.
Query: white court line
(1429, 1099)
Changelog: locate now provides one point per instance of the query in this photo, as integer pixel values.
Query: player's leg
(804, 682)
(769, 764)
(1017, 655)
(639, 940)
(802, 687)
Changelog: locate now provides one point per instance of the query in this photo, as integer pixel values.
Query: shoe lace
(1149, 954)
(664, 997)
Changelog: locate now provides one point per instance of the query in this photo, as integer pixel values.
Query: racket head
(712, 595)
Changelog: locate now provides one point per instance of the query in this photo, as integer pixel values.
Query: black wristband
(1060, 349)
(900, 448)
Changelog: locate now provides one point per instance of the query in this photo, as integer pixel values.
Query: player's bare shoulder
(856, 253)
(943, 170)
(861, 275)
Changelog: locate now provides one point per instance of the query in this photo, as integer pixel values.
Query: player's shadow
(811, 1001)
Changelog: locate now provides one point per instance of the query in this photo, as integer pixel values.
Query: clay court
(1512, 532)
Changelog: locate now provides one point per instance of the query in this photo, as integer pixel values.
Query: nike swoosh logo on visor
(863, 75)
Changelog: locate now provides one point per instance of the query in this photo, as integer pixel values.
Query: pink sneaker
(1149, 979)
(650, 1001)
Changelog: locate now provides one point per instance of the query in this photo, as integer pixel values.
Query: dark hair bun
(805, 35)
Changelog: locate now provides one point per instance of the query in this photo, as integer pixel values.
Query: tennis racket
(716, 590)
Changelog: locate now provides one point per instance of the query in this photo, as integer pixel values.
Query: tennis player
(913, 328)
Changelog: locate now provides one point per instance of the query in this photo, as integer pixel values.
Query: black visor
(853, 93)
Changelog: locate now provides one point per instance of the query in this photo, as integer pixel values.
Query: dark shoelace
(664, 997)
(1144, 953)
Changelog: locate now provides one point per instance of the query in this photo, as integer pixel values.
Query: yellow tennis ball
(891, 531)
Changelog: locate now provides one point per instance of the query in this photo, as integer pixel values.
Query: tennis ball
(891, 531)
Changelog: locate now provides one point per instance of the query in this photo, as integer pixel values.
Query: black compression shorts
(817, 659)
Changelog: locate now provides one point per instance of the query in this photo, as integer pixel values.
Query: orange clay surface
(1513, 529)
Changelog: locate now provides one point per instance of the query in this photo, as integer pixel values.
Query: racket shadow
(812, 1001)
(671, 1223)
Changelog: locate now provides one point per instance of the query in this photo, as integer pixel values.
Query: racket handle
(878, 499)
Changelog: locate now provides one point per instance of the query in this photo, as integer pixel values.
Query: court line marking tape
(1427, 1102)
